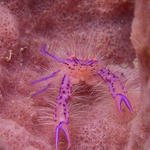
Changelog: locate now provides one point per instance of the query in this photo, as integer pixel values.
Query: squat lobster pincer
(116, 87)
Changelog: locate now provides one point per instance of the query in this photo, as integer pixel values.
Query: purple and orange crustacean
(79, 70)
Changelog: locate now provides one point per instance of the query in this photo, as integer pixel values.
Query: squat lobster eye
(73, 56)
(94, 59)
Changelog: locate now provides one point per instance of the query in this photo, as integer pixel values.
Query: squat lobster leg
(116, 87)
(41, 91)
(46, 78)
(51, 55)
(43, 79)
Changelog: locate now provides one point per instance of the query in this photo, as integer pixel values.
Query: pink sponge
(8, 28)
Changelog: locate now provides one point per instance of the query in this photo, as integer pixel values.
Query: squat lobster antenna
(51, 55)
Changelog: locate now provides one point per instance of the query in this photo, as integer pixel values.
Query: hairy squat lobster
(61, 114)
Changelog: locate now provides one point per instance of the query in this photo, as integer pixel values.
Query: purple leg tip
(60, 126)
(67, 136)
(57, 135)
(126, 101)
(43, 48)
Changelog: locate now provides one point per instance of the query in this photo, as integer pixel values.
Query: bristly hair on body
(80, 67)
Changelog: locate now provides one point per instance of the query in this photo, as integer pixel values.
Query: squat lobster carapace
(75, 70)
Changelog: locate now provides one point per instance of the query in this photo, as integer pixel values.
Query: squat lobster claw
(126, 101)
(62, 126)
(61, 114)
(116, 87)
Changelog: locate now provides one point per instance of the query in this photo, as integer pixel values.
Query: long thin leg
(45, 78)
(42, 90)
(51, 55)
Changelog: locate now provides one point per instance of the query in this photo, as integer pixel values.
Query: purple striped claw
(126, 101)
(62, 126)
